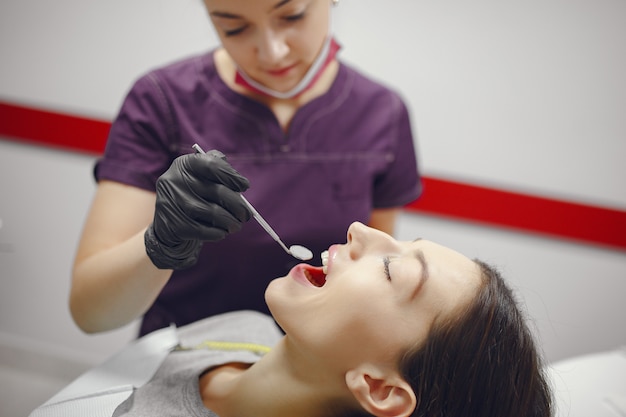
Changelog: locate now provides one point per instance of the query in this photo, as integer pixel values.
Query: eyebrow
(419, 255)
(227, 15)
(280, 4)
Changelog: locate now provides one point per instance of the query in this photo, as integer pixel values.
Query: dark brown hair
(482, 362)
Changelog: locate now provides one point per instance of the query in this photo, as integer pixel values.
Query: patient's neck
(269, 388)
(217, 385)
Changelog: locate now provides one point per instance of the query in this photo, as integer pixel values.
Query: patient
(385, 328)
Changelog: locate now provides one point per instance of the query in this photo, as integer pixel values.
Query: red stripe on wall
(580, 222)
(53, 129)
(557, 218)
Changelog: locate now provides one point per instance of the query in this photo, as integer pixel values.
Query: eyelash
(290, 19)
(295, 17)
(386, 262)
(234, 32)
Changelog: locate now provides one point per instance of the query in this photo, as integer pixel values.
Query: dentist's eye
(294, 17)
(386, 267)
(234, 32)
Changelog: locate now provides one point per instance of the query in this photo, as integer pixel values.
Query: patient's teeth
(324, 257)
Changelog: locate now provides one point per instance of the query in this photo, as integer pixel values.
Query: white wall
(527, 96)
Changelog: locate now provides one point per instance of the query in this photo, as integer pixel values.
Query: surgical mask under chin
(327, 54)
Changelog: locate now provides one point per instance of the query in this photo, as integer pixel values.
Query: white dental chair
(591, 385)
(100, 390)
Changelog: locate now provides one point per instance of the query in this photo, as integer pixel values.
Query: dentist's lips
(308, 275)
(281, 71)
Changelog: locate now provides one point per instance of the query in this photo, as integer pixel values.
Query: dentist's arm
(133, 239)
(384, 220)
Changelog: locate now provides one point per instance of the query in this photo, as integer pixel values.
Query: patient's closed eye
(386, 262)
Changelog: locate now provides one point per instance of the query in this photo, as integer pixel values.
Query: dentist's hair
(482, 361)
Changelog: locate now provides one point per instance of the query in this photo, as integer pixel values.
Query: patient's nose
(355, 239)
(362, 239)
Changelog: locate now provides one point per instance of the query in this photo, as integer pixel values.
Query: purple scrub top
(346, 152)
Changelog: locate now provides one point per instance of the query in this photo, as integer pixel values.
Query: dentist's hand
(197, 200)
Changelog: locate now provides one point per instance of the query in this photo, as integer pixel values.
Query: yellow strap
(216, 345)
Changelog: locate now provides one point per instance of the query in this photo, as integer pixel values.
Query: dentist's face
(273, 41)
(380, 297)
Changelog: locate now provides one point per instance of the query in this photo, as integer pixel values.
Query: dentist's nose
(272, 48)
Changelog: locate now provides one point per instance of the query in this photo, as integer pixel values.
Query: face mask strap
(326, 55)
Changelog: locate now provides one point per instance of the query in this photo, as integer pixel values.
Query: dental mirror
(300, 252)
(297, 251)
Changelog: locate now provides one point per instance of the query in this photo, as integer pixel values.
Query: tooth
(324, 257)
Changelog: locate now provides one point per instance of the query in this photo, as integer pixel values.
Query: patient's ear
(381, 392)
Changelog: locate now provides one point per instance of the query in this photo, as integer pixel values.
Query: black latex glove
(197, 200)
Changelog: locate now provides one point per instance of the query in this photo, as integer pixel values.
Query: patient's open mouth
(315, 275)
